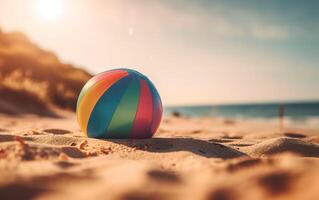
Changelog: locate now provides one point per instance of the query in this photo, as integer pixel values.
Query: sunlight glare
(50, 9)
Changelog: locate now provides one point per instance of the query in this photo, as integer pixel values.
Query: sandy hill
(33, 80)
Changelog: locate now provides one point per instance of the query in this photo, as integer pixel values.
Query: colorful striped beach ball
(120, 103)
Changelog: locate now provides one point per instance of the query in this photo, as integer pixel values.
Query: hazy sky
(194, 51)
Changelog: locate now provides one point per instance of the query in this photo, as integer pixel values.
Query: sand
(200, 158)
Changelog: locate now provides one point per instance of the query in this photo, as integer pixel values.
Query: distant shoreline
(306, 113)
(248, 103)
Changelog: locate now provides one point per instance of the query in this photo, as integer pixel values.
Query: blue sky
(196, 52)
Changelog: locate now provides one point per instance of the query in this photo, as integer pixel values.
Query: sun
(50, 9)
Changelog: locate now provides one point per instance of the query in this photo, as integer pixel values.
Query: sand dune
(188, 159)
(33, 80)
(278, 145)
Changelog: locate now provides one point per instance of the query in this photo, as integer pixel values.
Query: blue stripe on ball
(105, 107)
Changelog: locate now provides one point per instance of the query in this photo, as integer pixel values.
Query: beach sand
(198, 158)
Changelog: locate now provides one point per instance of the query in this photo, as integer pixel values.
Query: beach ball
(120, 103)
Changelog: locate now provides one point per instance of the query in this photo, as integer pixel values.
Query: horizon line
(246, 103)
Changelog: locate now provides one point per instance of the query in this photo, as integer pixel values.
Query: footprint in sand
(3, 130)
(222, 193)
(64, 164)
(229, 122)
(57, 131)
(197, 131)
(73, 152)
(245, 163)
(21, 191)
(276, 182)
(143, 195)
(163, 176)
(294, 135)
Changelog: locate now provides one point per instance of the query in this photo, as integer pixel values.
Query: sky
(195, 52)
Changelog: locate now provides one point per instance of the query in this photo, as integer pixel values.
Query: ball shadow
(196, 146)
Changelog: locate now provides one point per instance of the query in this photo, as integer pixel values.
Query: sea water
(299, 113)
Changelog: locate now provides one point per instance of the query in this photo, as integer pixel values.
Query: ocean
(297, 113)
